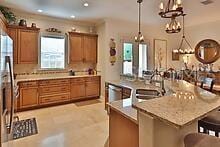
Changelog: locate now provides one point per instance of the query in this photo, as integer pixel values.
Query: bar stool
(201, 140)
(211, 122)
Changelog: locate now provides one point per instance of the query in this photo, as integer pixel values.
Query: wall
(44, 22)
(194, 35)
(120, 31)
(200, 32)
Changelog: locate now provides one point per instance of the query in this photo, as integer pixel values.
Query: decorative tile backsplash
(33, 69)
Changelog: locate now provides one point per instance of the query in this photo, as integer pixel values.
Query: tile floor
(82, 124)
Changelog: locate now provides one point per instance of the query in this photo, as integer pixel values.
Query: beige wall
(194, 34)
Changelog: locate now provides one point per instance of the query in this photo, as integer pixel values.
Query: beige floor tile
(84, 124)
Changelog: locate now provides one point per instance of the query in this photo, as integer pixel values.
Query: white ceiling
(118, 9)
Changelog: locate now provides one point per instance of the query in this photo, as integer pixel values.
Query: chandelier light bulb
(179, 2)
(161, 6)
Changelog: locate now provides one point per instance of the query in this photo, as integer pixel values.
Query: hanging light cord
(139, 21)
(184, 37)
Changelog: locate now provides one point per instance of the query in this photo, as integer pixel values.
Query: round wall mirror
(207, 51)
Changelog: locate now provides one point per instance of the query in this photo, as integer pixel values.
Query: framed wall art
(160, 54)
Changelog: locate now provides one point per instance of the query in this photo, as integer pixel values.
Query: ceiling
(117, 9)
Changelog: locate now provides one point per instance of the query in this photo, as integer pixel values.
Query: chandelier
(139, 38)
(173, 26)
(188, 50)
(173, 9)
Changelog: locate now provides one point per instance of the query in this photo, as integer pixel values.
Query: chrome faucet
(157, 78)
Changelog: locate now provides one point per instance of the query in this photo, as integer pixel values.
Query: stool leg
(217, 134)
(206, 131)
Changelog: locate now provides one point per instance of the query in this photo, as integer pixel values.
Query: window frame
(133, 46)
(65, 51)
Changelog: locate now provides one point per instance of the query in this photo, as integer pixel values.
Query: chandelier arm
(181, 44)
(188, 43)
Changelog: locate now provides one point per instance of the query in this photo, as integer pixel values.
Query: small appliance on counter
(72, 73)
(92, 71)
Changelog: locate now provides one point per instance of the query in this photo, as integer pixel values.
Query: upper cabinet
(83, 47)
(25, 43)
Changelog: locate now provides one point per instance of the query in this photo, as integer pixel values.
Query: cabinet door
(28, 97)
(76, 48)
(77, 90)
(92, 89)
(28, 46)
(90, 48)
(13, 33)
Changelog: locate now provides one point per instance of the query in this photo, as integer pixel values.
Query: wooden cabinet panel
(29, 84)
(28, 97)
(76, 48)
(92, 89)
(54, 98)
(54, 82)
(90, 49)
(13, 33)
(27, 46)
(78, 90)
(54, 89)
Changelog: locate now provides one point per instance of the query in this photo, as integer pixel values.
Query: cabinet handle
(47, 99)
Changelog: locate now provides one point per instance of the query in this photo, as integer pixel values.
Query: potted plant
(9, 16)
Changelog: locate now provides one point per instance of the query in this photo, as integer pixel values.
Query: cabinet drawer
(77, 80)
(54, 89)
(88, 79)
(54, 98)
(54, 82)
(28, 84)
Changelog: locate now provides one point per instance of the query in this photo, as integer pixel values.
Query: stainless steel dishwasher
(115, 93)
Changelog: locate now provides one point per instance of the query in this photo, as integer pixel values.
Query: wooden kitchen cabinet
(28, 97)
(83, 47)
(78, 90)
(28, 46)
(90, 49)
(25, 44)
(13, 33)
(76, 52)
(43, 93)
(93, 87)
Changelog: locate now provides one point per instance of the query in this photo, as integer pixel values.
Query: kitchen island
(164, 121)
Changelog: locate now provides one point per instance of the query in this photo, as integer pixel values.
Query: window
(127, 58)
(135, 61)
(52, 52)
(142, 59)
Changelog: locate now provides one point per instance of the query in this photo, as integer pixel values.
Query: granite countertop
(124, 106)
(187, 103)
(50, 77)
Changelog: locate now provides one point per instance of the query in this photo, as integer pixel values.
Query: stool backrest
(207, 82)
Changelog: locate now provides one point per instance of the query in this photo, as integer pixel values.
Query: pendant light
(139, 38)
(173, 27)
(184, 51)
(173, 9)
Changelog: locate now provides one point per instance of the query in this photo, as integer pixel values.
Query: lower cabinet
(44, 92)
(78, 90)
(92, 89)
(28, 97)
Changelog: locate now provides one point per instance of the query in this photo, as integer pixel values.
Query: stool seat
(213, 118)
(201, 140)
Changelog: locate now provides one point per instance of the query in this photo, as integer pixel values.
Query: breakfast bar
(170, 117)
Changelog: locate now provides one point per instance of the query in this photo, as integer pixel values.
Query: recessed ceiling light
(86, 4)
(72, 16)
(39, 10)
